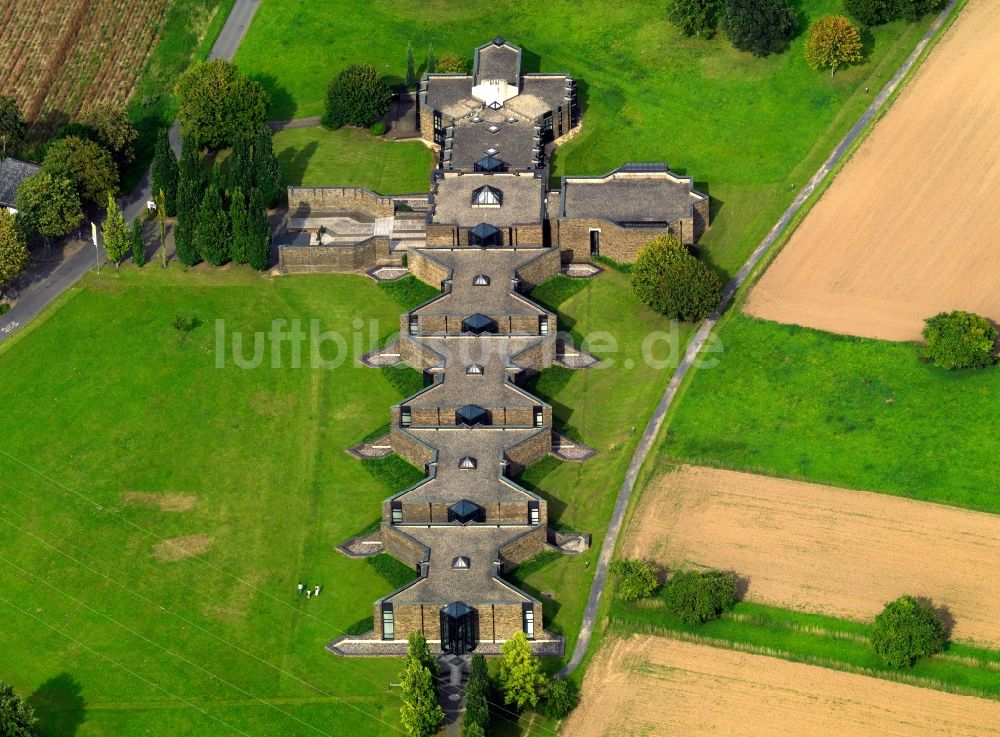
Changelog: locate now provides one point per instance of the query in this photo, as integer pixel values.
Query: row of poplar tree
(221, 214)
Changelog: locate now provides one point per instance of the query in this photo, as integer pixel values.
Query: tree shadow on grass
(279, 98)
(293, 163)
(59, 706)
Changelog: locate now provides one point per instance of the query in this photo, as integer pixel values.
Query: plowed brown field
(823, 549)
(646, 686)
(909, 228)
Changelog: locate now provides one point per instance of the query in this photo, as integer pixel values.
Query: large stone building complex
(487, 233)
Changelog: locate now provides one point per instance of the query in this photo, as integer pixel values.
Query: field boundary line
(694, 347)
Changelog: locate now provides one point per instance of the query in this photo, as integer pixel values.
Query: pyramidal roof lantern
(461, 562)
(467, 463)
(487, 196)
(480, 280)
(490, 164)
(475, 369)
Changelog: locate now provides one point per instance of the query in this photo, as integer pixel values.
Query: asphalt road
(36, 296)
(691, 355)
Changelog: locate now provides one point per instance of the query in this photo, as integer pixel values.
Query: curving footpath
(698, 342)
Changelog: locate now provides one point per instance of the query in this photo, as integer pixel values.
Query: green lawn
(816, 639)
(106, 398)
(863, 414)
(316, 157)
(749, 130)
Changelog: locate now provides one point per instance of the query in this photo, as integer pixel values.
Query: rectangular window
(543, 325)
(533, 513)
(414, 325)
(397, 513)
(404, 416)
(539, 417)
(388, 626)
(529, 621)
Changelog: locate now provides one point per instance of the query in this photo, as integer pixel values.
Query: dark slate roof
(470, 142)
(450, 93)
(521, 200)
(497, 60)
(12, 173)
(630, 194)
(539, 94)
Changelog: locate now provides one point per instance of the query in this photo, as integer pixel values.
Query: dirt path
(908, 228)
(823, 549)
(655, 686)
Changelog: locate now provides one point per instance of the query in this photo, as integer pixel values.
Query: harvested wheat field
(657, 686)
(58, 57)
(908, 228)
(822, 549)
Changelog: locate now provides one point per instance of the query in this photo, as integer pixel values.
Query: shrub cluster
(877, 12)
(959, 340)
(695, 597)
(761, 27)
(907, 629)
(637, 579)
(668, 278)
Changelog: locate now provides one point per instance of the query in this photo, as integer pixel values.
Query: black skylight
(478, 324)
(490, 164)
(485, 235)
(465, 511)
(472, 415)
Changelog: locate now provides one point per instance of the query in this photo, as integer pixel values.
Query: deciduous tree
(90, 167)
(694, 17)
(115, 233)
(959, 340)
(907, 629)
(561, 697)
(520, 673)
(636, 578)
(420, 713)
(218, 103)
(451, 63)
(668, 278)
(357, 96)
(13, 249)
(833, 42)
(166, 173)
(113, 128)
(761, 27)
(17, 719)
(698, 596)
(48, 205)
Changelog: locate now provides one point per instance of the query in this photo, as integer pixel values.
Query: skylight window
(494, 128)
(487, 197)
(496, 105)
(481, 280)
(491, 151)
(475, 369)
(462, 562)
(468, 463)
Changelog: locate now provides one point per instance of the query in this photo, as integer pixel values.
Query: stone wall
(402, 546)
(531, 450)
(326, 259)
(350, 199)
(539, 356)
(443, 235)
(415, 354)
(410, 448)
(524, 547)
(572, 237)
(535, 272)
(426, 270)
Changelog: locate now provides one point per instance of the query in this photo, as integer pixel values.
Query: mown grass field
(317, 157)
(852, 412)
(250, 468)
(750, 131)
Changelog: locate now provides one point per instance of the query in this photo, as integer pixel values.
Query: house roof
(12, 173)
(521, 199)
(497, 60)
(512, 143)
(630, 195)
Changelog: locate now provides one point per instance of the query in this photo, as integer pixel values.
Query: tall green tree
(160, 198)
(420, 713)
(520, 674)
(907, 629)
(90, 167)
(115, 233)
(432, 64)
(190, 191)
(411, 72)
(241, 240)
(356, 96)
(13, 249)
(667, 277)
(166, 173)
(218, 103)
(113, 128)
(13, 131)
(17, 719)
(212, 231)
(138, 246)
(241, 165)
(761, 27)
(477, 696)
(259, 255)
(48, 205)
(265, 166)
(694, 17)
